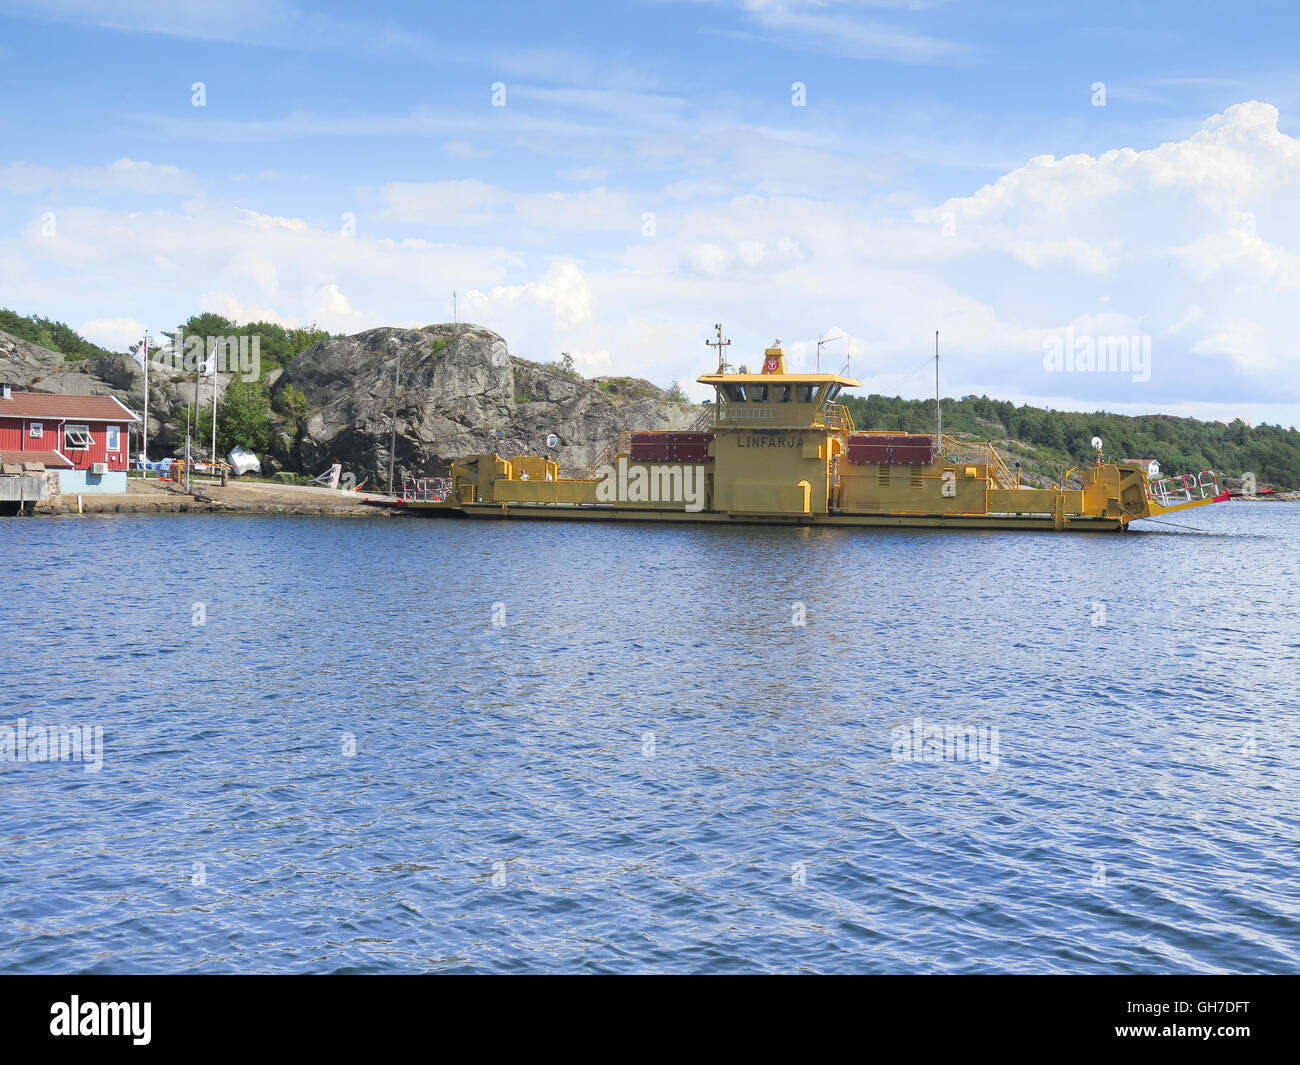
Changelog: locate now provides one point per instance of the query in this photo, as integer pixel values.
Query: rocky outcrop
(32, 368)
(460, 392)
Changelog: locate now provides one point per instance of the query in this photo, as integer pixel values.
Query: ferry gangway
(1187, 488)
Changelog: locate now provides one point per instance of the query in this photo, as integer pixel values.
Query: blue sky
(649, 174)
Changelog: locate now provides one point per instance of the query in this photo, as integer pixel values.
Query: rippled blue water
(649, 767)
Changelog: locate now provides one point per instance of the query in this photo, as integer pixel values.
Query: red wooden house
(83, 437)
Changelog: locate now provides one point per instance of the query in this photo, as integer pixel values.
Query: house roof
(74, 408)
(51, 460)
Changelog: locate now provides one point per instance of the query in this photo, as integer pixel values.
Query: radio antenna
(938, 411)
(721, 345)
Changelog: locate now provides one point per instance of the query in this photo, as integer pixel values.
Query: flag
(209, 365)
(141, 353)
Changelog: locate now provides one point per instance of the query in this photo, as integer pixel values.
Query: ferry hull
(547, 512)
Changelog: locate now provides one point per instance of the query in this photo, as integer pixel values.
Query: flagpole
(212, 459)
(198, 377)
(144, 428)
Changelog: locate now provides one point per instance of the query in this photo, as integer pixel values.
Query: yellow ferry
(777, 449)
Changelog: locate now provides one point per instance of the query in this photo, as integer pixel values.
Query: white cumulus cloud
(1194, 244)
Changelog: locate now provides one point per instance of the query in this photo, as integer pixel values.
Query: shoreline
(251, 497)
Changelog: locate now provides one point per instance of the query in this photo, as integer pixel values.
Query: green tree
(276, 344)
(291, 403)
(243, 419)
(56, 336)
(565, 365)
(302, 339)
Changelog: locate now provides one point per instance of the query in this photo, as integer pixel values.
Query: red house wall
(98, 450)
(15, 435)
(11, 434)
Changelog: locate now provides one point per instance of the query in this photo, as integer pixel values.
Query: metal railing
(1187, 488)
(621, 443)
(838, 416)
(979, 454)
(706, 420)
(831, 416)
(426, 490)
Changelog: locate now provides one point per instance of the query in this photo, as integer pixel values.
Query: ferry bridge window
(807, 393)
(758, 393)
(781, 393)
(735, 393)
(833, 393)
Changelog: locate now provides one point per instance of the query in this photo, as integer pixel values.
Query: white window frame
(36, 431)
(68, 445)
(113, 438)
